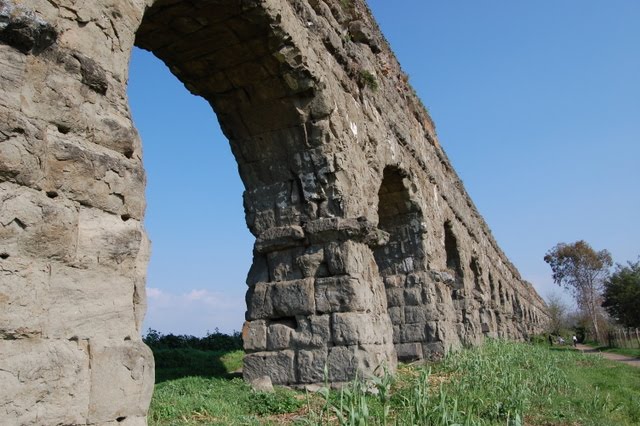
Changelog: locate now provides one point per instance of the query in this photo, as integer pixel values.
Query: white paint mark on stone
(435, 196)
(354, 128)
(392, 146)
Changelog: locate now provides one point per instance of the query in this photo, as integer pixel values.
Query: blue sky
(537, 105)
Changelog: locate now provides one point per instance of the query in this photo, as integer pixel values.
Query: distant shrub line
(215, 341)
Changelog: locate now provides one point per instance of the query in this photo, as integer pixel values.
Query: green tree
(622, 294)
(582, 270)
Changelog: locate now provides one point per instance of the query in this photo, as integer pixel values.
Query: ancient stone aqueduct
(368, 249)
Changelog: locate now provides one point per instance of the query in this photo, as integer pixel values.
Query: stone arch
(402, 263)
(454, 262)
(401, 218)
(478, 281)
(314, 105)
(452, 251)
(304, 311)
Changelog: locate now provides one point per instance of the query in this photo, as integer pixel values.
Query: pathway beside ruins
(634, 362)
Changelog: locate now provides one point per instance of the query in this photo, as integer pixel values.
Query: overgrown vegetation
(346, 4)
(498, 383)
(367, 79)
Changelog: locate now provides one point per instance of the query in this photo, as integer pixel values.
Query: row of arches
(435, 306)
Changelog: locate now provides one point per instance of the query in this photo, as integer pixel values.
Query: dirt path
(634, 362)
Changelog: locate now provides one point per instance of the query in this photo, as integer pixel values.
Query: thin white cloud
(193, 311)
(154, 293)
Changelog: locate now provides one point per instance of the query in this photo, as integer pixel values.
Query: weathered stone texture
(368, 248)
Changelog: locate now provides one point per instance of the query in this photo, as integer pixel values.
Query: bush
(215, 341)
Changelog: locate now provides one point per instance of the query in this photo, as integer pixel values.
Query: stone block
(342, 294)
(279, 336)
(342, 364)
(259, 304)
(23, 298)
(433, 312)
(397, 333)
(432, 331)
(44, 381)
(312, 332)
(254, 336)
(101, 179)
(347, 258)
(396, 314)
(373, 359)
(262, 384)
(394, 281)
(116, 133)
(279, 238)
(107, 239)
(35, 225)
(312, 264)
(121, 371)
(13, 70)
(434, 351)
(311, 365)
(416, 279)
(415, 314)
(259, 271)
(413, 296)
(412, 333)
(408, 352)
(88, 303)
(395, 297)
(282, 266)
(21, 148)
(359, 328)
(279, 366)
(291, 298)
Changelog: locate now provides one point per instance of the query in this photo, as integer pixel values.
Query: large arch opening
(223, 52)
(402, 262)
(305, 306)
(201, 248)
(401, 218)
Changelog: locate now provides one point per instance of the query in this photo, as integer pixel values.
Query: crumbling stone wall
(368, 248)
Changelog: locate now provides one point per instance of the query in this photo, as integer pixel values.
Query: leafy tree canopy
(576, 266)
(622, 294)
(582, 270)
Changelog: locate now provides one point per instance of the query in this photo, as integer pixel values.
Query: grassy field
(498, 384)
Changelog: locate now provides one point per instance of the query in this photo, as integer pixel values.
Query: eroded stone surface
(368, 248)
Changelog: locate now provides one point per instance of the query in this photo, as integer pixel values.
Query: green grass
(499, 383)
(603, 392)
(183, 362)
(203, 387)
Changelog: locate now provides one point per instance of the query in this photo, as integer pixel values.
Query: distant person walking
(575, 341)
(550, 340)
